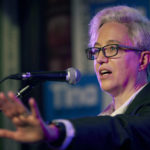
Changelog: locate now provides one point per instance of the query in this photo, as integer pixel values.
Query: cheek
(132, 63)
(96, 66)
(128, 66)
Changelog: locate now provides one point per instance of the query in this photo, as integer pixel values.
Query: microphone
(71, 76)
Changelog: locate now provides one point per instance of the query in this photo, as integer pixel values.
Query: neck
(125, 93)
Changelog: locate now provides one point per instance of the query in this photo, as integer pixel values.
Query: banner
(62, 100)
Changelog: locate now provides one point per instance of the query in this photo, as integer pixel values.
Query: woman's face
(116, 73)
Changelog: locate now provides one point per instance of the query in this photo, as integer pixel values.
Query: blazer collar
(143, 97)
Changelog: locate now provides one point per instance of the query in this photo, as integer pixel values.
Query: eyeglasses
(108, 50)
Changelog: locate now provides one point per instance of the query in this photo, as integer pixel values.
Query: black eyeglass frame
(118, 46)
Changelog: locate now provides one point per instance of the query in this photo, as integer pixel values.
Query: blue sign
(62, 100)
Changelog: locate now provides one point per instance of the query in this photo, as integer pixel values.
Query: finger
(8, 134)
(18, 121)
(3, 100)
(13, 98)
(17, 104)
(5, 105)
(34, 108)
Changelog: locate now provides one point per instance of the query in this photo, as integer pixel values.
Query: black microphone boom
(71, 76)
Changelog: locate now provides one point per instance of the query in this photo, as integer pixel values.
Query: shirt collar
(110, 109)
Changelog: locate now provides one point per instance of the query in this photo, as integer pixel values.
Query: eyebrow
(108, 42)
(96, 43)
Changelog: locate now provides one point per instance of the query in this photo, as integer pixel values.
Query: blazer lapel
(142, 98)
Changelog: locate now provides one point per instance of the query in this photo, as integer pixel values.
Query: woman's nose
(101, 58)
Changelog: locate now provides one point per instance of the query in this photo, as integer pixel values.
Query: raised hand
(29, 125)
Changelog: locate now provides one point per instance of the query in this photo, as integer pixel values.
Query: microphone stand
(24, 91)
(27, 89)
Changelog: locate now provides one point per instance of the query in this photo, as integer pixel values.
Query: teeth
(105, 71)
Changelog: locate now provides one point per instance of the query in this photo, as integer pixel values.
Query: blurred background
(51, 35)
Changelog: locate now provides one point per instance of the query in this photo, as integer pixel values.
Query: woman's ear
(144, 60)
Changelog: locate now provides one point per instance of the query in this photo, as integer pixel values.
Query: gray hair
(138, 25)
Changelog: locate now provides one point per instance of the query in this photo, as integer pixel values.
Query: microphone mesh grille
(73, 75)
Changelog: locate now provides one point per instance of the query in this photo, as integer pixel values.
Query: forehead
(114, 32)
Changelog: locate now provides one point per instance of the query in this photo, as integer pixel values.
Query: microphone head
(73, 75)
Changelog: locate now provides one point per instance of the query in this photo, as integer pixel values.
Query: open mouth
(105, 73)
